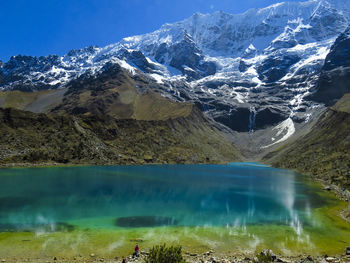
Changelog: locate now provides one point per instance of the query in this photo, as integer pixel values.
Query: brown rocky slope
(324, 152)
(111, 118)
(29, 138)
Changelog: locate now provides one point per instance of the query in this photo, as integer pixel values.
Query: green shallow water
(239, 207)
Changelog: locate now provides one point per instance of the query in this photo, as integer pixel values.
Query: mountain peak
(264, 59)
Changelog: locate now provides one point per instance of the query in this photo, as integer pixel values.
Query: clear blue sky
(42, 27)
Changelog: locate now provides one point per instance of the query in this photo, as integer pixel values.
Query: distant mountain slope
(113, 91)
(113, 117)
(29, 139)
(264, 62)
(325, 151)
(117, 93)
(335, 75)
(41, 101)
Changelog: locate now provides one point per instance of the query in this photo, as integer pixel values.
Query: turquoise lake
(187, 195)
(134, 200)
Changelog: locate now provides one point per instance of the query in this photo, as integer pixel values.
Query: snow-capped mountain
(247, 70)
(334, 78)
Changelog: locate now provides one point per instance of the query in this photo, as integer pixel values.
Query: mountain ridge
(269, 66)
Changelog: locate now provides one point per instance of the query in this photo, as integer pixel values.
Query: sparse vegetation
(164, 254)
(260, 258)
(266, 256)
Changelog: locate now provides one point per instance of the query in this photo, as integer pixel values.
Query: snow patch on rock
(285, 128)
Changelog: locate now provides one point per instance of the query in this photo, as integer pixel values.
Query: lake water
(200, 206)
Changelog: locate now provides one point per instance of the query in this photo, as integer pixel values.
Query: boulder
(327, 188)
(331, 259)
(268, 253)
(148, 158)
(308, 259)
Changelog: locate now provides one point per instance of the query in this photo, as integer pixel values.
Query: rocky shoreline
(264, 256)
(340, 193)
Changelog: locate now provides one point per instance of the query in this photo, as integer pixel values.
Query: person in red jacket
(137, 251)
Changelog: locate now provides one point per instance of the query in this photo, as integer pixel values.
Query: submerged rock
(145, 221)
(56, 227)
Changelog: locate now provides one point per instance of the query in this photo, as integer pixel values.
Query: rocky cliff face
(335, 75)
(247, 71)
